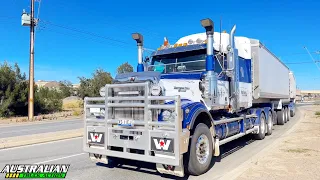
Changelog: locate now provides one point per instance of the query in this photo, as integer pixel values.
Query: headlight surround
(168, 115)
(155, 90)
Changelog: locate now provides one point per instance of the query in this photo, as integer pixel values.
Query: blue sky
(60, 53)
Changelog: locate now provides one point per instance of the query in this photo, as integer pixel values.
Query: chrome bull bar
(143, 132)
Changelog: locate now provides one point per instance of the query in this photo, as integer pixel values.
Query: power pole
(31, 68)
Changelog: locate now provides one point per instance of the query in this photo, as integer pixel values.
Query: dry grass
(77, 112)
(317, 113)
(73, 104)
(297, 150)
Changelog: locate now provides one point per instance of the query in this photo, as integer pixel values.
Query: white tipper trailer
(204, 91)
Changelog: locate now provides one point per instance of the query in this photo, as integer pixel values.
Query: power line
(315, 62)
(85, 32)
(306, 62)
(293, 54)
(114, 41)
(84, 37)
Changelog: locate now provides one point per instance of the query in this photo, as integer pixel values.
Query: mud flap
(97, 158)
(216, 147)
(172, 170)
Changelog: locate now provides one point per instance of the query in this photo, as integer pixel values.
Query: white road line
(66, 157)
(8, 149)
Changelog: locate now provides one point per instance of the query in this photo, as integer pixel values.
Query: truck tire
(274, 116)
(269, 123)
(286, 114)
(281, 117)
(200, 150)
(262, 128)
(292, 113)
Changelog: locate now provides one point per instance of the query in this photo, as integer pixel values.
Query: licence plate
(125, 123)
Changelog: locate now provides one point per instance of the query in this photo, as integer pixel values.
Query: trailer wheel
(281, 116)
(292, 113)
(286, 114)
(269, 123)
(262, 128)
(274, 117)
(200, 150)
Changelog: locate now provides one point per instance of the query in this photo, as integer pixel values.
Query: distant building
(306, 95)
(55, 85)
(48, 84)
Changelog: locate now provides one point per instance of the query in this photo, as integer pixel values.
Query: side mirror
(146, 59)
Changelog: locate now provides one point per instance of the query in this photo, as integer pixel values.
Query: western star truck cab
(205, 90)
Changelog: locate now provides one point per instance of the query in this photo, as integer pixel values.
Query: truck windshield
(191, 61)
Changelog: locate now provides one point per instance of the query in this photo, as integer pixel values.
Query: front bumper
(148, 140)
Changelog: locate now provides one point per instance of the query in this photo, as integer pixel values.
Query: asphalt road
(70, 152)
(36, 128)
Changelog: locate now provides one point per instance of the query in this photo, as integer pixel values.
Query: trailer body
(270, 75)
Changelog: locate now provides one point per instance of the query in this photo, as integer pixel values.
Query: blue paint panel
(140, 68)
(210, 63)
(291, 106)
(193, 108)
(245, 70)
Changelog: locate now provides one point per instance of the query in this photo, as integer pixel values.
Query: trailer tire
(262, 128)
(281, 117)
(269, 123)
(292, 113)
(197, 164)
(274, 116)
(286, 114)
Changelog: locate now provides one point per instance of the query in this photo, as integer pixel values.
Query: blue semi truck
(191, 97)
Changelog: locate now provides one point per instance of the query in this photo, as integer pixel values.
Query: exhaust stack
(233, 72)
(139, 39)
(211, 77)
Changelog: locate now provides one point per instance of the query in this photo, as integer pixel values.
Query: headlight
(201, 86)
(167, 115)
(155, 90)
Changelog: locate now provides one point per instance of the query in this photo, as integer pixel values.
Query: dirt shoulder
(295, 156)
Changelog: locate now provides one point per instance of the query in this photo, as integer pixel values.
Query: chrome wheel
(202, 149)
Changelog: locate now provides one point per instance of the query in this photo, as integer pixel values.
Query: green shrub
(14, 94)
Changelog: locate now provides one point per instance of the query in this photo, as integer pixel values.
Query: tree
(13, 90)
(90, 87)
(66, 88)
(124, 68)
(50, 100)
(14, 94)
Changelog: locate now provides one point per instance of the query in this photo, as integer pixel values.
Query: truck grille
(130, 113)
